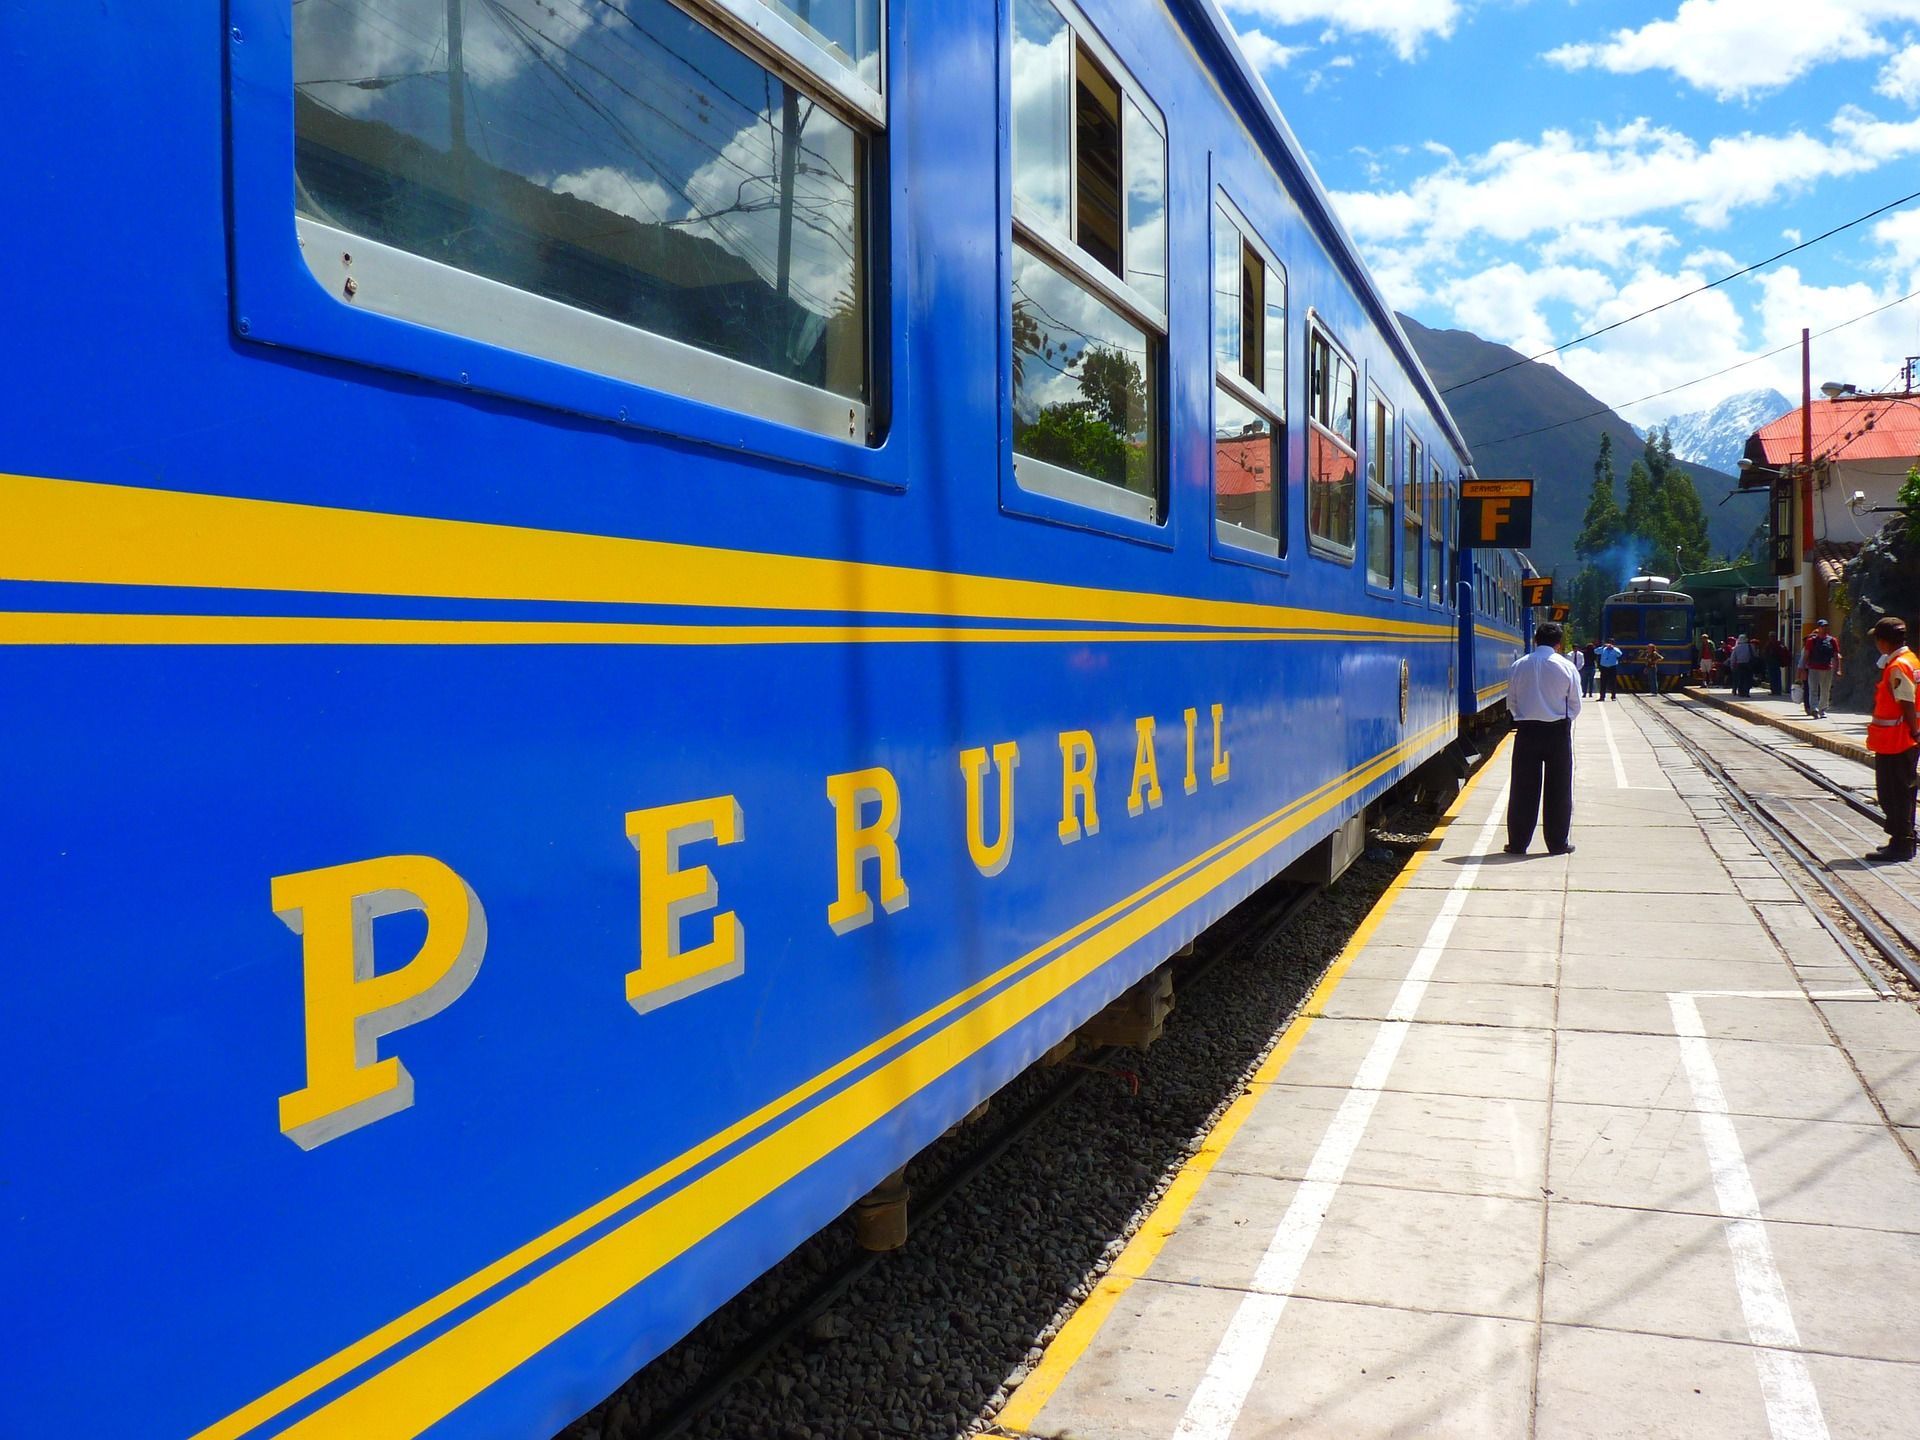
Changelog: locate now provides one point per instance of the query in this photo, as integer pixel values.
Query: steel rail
(1792, 762)
(1897, 955)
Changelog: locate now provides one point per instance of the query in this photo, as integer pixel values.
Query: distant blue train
(615, 613)
(1653, 625)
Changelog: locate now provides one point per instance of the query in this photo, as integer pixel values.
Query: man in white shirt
(1543, 694)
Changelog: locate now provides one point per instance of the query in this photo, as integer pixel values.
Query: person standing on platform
(1893, 736)
(1582, 663)
(1606, 655)
(1777, 658)
(1823, 663)
(1590, 670)
(1743, 666)
(1543, 695)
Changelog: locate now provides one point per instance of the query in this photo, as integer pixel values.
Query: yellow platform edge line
(1026, 1403)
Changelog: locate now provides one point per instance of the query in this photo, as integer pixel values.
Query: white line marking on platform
(1223, 1390)
(1782, 994)
(1786, 1385)
(1619, 770)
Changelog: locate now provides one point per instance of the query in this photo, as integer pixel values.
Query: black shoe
(1893, 852)
(1514, 850)
(1563, 850)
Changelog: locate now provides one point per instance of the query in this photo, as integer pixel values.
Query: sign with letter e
(1496, 514)
(1536, 590)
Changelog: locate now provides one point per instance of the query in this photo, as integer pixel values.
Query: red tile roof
(1863, 427)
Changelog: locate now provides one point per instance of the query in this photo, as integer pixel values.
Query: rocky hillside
(1561, 459)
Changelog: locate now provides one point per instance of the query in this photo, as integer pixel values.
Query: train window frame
(1413, 519)
(1383, 452)
(1040, 488)
(290, 281)
(1451, 512)
(1243, 371)
(1436, 563)
(1326, 547)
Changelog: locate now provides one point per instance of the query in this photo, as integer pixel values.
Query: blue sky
(1531, 169)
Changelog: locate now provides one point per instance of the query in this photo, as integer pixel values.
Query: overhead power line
(1688, 295)
(1696, 380)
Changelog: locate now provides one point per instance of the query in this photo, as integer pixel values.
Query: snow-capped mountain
(1717, 437)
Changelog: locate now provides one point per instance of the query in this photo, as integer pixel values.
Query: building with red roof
(1863, 447)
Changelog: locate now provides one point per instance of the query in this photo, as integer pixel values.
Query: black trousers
(1542, 770)
(1893, 777)
(1607, 685)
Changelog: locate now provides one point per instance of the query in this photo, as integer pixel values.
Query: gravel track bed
(930, 1342)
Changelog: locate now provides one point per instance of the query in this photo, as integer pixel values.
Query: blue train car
(1654, 627)
(615, 613)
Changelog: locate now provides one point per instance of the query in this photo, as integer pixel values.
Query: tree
(1590, 590)
(1681, 519)
(1641, 520)
(1603, 526)
(1114, 388)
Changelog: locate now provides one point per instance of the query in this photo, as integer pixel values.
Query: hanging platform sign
(1496, 514)
(1537, 590)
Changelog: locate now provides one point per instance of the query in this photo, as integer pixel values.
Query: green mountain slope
(1560, 460)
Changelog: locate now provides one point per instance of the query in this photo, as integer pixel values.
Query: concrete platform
(1614, 1144)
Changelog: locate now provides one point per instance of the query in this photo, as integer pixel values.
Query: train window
(1249, 446)
(1089, 268)
(1413, 541)
(1381, 451)
(1330, 445)
(648, 199)
(1452, 520)
(1436, 534)
(1042, 112)
(1146, 160)
(848, 31)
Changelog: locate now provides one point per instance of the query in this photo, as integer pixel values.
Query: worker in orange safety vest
(1894, 736)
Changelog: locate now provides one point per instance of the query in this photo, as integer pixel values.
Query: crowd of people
(1744, 662)
(1545, 687)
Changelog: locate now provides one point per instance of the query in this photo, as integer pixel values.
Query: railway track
(1822, 823)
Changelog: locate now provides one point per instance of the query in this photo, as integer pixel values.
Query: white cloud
(1504, 300)
(1792, 235)
(1867, 354)
(1899, 235)
(1404, 24)
(1264, 52)
(1608, 243)
(1671, 346)
(1737, 48)
(1900, 77)
(637, 197)
(1522, 189)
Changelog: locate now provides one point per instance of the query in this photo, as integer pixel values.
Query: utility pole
(1806, 445)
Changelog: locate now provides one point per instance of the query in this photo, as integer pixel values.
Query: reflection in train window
(1089, 268)
(625, 162)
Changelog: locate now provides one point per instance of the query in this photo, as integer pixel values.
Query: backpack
(1821, 650)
